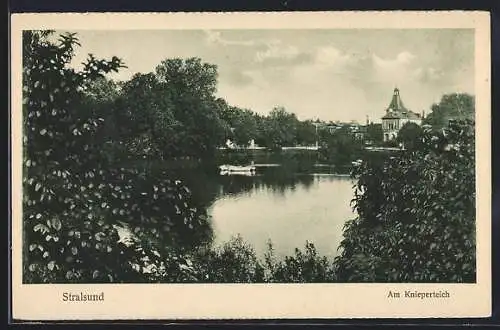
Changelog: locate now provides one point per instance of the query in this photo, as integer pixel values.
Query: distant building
(359, 132)
(396, 116)
(330, 127)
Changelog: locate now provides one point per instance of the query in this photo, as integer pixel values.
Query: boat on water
(237, 170)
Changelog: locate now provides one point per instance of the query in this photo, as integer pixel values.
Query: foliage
(66, 236)
(374, 133)
(190, 76)
(459, 106)
(144, 116)
(171, 112)
(241, 123)
(410, 135)
(416, 212)
(75, 200)
(280, 128)
(191, 85)
(303, 267)
(341, 147)
(306, 133)
(234, 262)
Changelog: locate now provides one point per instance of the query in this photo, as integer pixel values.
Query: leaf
(41, 227)
(56, 224)
(38, 186)
(51, 265)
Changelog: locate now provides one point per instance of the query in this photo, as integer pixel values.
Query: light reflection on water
(310, 207)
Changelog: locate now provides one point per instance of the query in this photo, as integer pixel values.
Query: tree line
(174, 112)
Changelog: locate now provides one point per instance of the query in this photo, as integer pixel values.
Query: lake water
(292, 199)
(312, 207)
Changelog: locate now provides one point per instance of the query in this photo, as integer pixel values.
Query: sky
(339, 74)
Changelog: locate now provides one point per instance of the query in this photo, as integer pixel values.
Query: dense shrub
(416, 213)
(305, 266)
(64, 227)
(233, 262)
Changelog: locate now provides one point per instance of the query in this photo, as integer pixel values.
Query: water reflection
(289, 200)
(310, 208)
(270, 179)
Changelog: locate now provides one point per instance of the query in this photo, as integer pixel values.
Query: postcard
(291, 165)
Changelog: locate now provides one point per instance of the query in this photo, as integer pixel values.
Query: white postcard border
(258, 301)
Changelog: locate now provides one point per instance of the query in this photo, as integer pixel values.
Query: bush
(416, 214)
(303, 267)
(234, 262)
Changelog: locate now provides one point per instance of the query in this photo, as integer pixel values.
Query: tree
(188, 76)
(75, 199)
(65, 233)
(191, 86)
(224, 112)
(242, 124)
(375, 133)
(101, 95)
(280, 128)
(145, 112)
(341, 147)
(103, 89)
(410, 135)
(306, 133)
(451, 106)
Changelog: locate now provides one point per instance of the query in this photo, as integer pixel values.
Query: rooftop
(397, 110)
(396, 103)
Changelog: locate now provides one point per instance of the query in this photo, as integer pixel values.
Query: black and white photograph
(241, 155)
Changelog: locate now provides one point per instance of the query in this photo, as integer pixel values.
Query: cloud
(428, 74)
(402, 59)
(334, 81)
(276, 50)
(331, 56)
(215, 38)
